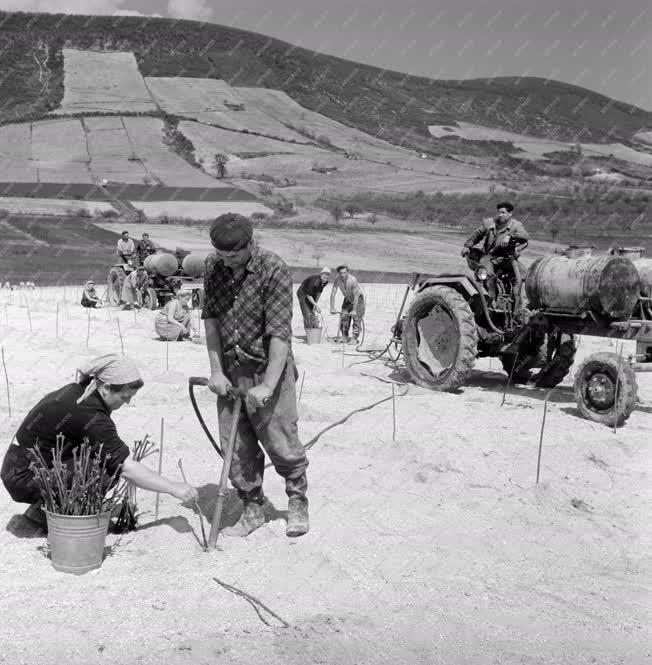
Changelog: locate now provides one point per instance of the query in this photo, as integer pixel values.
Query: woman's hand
(185, 492)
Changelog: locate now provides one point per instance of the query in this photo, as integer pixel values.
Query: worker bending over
(308, 295)
(248, 317)
(79, 411)
(353, 306)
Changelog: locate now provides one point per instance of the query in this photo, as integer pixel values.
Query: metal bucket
(313, 336)
(77, 541)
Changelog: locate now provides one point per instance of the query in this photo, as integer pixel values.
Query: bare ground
(437, 547)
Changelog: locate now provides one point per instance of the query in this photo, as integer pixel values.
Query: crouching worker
(248, 318)
(78, 411)
(132, 288)
(173, 323)
(89, 297)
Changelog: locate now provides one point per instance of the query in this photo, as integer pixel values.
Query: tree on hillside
(352, 209)
(336, 211)
(220, 164)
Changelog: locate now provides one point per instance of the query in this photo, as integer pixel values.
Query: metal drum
(644, 267)
(164, 265)
(193, 265)
(607, 286)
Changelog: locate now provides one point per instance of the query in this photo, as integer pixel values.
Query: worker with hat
(504, 238)
(248, 319)
(308, 295)
(81, 413)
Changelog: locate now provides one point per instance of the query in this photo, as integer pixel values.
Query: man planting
(248, 318)
(308, 295)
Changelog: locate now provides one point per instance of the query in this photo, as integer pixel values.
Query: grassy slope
(391, 105)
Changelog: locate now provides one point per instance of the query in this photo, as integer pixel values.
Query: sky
(598, 44)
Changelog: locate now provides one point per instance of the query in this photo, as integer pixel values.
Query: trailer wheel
(440, 339)
(150, 298)
(600, 395)
(114, 285)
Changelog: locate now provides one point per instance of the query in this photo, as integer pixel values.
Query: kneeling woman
(78, 411)
(174, 322)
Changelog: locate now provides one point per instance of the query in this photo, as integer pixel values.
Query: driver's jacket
(493, 233)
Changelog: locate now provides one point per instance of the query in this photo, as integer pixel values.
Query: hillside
(389, 105)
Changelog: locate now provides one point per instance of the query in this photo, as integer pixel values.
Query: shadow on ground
(232, 506)
(21, 527)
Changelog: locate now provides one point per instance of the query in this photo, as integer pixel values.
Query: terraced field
(102, 82)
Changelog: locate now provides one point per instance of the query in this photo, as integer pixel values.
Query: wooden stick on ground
(160, 465)
(253, 601)
(4, 365)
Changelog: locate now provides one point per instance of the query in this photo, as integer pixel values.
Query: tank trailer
(450, 322)
(167, 272)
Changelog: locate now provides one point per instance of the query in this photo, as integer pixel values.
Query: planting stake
(303, 378)
(6, 314)
(57, 322)
(160, 465)
(393, 413)
(88, 327)
(29, 315)
(543, 427)
(620, 355)
(4, 365)
(196, 504)
(509, 380)
(122, 346)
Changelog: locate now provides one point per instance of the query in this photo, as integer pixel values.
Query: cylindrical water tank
(193, 265)
(644, 267)
(164, 265)
(607, 286)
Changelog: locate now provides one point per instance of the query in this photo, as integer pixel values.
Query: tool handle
(232, 393)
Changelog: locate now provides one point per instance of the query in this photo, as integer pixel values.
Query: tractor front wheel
(605, 389)
(440, 339)
(150, 298)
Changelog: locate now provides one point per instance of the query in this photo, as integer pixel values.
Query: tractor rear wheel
(440, 339)
(543, 360)
(605, 389)
(150, 298)
(114, 285)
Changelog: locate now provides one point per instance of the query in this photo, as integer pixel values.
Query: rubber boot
(36, 515)
(298, 522)
(251, 519)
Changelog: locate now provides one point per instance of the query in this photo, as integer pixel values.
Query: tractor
(452, 320)
(167, 272)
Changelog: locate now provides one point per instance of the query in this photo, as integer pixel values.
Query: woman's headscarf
(90, 284)
(111, 368)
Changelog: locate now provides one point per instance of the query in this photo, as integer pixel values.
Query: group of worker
(353, 304)
(134, 253)
(247, 315)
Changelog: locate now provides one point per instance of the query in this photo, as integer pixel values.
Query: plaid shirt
(252, 309)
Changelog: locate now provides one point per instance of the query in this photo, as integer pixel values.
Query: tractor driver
(504, 239)
(125, 248)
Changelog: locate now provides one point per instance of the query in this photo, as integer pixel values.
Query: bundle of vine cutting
(127, 519)
(76, 486)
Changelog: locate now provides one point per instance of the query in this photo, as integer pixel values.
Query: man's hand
(219, 384)
(257, 396)
(505, 240)
(184, 492)
(317, 310)
(465, 251)
(333, 311)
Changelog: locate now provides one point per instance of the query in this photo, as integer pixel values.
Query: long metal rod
(224, 477)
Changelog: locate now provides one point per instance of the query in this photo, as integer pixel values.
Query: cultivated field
(102, 82)
(435, 547)
(215, 102)
(535, 148)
